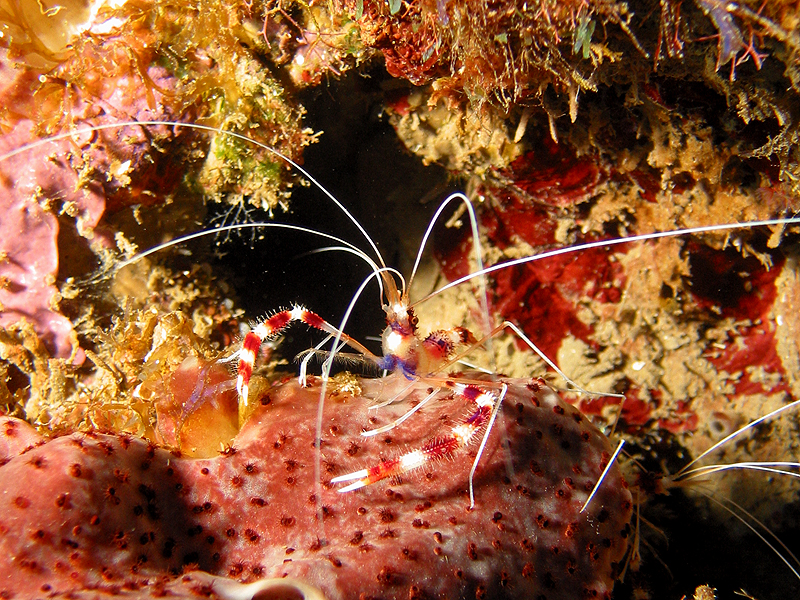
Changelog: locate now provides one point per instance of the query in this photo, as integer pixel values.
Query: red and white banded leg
(271, 327)
(461, 435)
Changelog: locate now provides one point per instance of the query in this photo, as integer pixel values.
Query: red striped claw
(273, 326)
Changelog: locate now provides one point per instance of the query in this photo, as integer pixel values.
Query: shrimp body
(405, 352)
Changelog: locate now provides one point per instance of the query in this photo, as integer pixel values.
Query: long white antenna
(273, 151)
(612, 242)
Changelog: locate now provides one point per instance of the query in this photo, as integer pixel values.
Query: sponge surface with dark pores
(105, 512)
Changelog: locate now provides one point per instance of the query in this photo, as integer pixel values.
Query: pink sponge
(106, 512)
(28, 242)
(50, 181)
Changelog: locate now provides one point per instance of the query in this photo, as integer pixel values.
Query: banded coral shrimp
(277, 530)
(342, 243)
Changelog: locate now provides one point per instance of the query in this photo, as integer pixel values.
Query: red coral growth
(409, 46)
(741, 288)
(554, 175)
(181, 513)
(634, 412)
(685, 420)
(504, 52)
(542, 297)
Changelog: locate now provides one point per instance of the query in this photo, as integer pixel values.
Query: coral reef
(512, 59)
(565, 122)
(69, 69)
(132, 359)
(698, 334)
(505, 53)
(112, 512)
